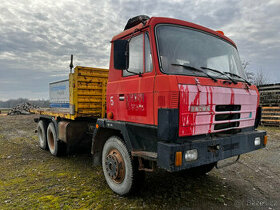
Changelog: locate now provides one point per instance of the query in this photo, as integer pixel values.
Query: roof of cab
(161, 20)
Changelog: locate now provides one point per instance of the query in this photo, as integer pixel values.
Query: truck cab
(183, 73)
(171, 71)
(179, 95)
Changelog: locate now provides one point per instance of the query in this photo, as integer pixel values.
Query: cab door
(137, 83)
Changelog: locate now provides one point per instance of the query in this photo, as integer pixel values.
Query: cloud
(37, 37)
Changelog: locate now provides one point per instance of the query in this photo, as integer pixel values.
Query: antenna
(71, 64)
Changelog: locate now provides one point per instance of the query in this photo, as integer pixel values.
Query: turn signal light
(220, 32)
(110, 115)
(265, 140)
(178, 159)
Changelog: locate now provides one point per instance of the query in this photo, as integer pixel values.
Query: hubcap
(114, 165)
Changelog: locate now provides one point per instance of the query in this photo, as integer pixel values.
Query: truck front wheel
(119, 169)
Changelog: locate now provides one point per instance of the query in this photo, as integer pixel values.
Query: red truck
(175, 97)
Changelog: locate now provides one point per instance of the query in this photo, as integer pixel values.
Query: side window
(148, 55)
(135, 55)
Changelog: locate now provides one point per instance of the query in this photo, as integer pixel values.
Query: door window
(148, 55)
(135, 56)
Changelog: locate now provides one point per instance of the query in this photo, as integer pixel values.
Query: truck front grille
(226, 125)
(224, 113)
(225, 108)
(221, 117)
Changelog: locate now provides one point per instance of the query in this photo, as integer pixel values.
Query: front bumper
(227, 147)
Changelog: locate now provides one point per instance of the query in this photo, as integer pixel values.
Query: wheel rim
(51, 140)
(115, 166)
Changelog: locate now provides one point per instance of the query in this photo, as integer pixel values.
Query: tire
(57, 148)
(120, 171)
(42, 136)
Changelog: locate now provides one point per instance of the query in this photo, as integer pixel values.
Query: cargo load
(82, 95)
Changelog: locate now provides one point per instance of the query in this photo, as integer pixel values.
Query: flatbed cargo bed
(87, 95)
(56, 112)
(59, 112)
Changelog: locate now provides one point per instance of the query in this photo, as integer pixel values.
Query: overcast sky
(38, 36)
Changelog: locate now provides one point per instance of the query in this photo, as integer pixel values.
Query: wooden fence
(270, 102)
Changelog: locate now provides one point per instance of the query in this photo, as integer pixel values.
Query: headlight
(257, 141)
(191, 155)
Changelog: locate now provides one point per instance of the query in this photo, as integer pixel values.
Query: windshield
(189, 47)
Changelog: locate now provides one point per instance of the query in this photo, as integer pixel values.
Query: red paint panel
(203, 122)
(161, 101)
(136, 104)
(166, 87)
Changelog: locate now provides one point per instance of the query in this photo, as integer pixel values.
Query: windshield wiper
(236, 75)
(222, 73)
(195, 69)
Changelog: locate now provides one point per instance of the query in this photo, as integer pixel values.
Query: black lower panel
(142, 138)
(227, 147)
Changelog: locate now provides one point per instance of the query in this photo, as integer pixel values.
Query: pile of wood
(270, 102)
(270, 116)
(22, 109)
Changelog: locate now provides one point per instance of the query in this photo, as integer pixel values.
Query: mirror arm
(139, 74)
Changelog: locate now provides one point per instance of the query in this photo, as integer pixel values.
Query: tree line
(14, 102)
(257, 78)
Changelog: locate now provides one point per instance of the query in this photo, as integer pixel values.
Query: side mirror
(121, 54)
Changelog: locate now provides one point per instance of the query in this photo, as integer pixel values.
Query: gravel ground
(32, 178)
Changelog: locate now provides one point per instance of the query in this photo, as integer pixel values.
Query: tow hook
(214, 148)
(227, 164)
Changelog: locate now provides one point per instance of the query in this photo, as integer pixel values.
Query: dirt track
(32, 178)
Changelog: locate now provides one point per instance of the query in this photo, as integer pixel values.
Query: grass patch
(32, 178)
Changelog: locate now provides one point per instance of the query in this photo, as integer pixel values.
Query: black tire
(57, 148)
(42, 134)
(115, 160)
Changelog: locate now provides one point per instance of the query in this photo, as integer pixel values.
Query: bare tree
(250, 75)
(245, 64)
(260, 78)
(256, 78)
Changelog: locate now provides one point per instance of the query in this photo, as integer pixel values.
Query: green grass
(32, 178)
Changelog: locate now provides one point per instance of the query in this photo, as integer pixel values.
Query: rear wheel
(56, 147)
(41, 129)
(120, 171)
